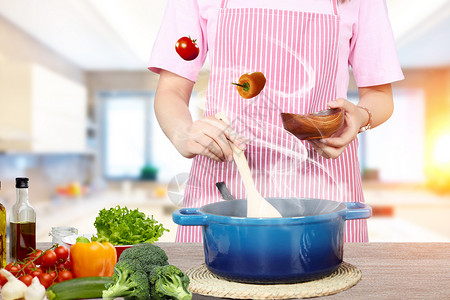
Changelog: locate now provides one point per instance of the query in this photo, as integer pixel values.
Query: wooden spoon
(257, 206)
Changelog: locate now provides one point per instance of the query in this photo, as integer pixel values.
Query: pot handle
(357, 210)
(189, 217)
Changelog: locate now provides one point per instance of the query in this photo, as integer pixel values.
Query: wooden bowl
(321, 124)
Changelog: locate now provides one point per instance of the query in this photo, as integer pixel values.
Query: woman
(304, 49)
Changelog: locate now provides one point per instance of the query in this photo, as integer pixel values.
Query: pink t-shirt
(366, 39)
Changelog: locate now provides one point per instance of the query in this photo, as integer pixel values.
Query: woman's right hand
(209, 137)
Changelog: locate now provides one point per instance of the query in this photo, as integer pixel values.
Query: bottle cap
(22, 183)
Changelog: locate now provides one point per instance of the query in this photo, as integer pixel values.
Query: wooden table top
(389, 270)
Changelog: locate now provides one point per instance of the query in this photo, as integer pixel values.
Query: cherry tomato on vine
(67, 265)
(54, 274)
(60, 266)
(65, 275)
(62, 252)
(187, 48)
(36, 272)
(36, 255)
(45, 279)
(13, 269)
(3, 280)
(26, 279)
(8, 267)
(28, 267)
(49, 258)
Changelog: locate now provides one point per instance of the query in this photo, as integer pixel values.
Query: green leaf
(122, 226)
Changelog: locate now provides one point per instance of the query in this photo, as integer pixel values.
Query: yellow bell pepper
(93, 259)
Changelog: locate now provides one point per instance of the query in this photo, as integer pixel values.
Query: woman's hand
(354, 119)
(377, 99)
(209, 137)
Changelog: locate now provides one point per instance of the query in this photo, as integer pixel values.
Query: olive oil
(22, 220)
(24, 239)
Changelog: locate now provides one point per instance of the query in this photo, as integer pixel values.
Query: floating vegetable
(250, 84)
(93, 259)
(187, 48)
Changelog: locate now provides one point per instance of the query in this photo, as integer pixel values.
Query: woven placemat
(204, 282)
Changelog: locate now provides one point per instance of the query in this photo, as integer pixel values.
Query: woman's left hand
(354, 119)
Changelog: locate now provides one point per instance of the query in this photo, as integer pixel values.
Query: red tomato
(187, 48)
(49, 258)
(9, 266)
(26, 279)
(36, 272)
(36, 256)
(3, 280)
(60, 265)
(61, 252)
(65, 275)
(14, 270)
(45, 279)
(63, 265)
(53, 274)
(67, 265)
(28, 267)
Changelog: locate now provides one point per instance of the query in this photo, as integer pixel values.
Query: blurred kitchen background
(76, 117)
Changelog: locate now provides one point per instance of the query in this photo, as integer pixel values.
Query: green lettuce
(122, 226)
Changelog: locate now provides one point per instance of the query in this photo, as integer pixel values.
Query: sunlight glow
(441, 154)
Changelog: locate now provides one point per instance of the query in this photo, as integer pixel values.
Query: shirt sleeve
(373, 55)
(181, 18)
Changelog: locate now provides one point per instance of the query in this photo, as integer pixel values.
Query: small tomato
(26, 279)
(28, 267)
(36, 272)
(49, 258)
(187, 48)
(35, 255)
(67, 265)
(45, 279)
(65, 275)
(54, 274)
(3, 280)
(62, 252)
(14, 270)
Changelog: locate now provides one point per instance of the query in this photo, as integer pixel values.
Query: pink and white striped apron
(297, 52)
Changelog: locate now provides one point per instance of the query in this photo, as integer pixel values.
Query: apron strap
(335, 7)
(224, 4)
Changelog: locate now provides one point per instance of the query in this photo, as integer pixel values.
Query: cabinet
(40, 110)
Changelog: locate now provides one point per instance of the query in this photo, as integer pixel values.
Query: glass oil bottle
(22, 222)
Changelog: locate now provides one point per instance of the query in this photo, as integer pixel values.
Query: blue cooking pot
(306, 243)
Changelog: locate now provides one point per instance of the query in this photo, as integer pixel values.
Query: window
(396, 148)
(126, 138)
(131, 137)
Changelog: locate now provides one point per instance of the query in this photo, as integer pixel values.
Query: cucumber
(78, 288)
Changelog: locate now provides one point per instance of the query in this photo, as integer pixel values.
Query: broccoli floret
(146, 255)
(169, 282)
(130, 281)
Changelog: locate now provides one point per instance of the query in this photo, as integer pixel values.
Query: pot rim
(340, 213)
(198, 217)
